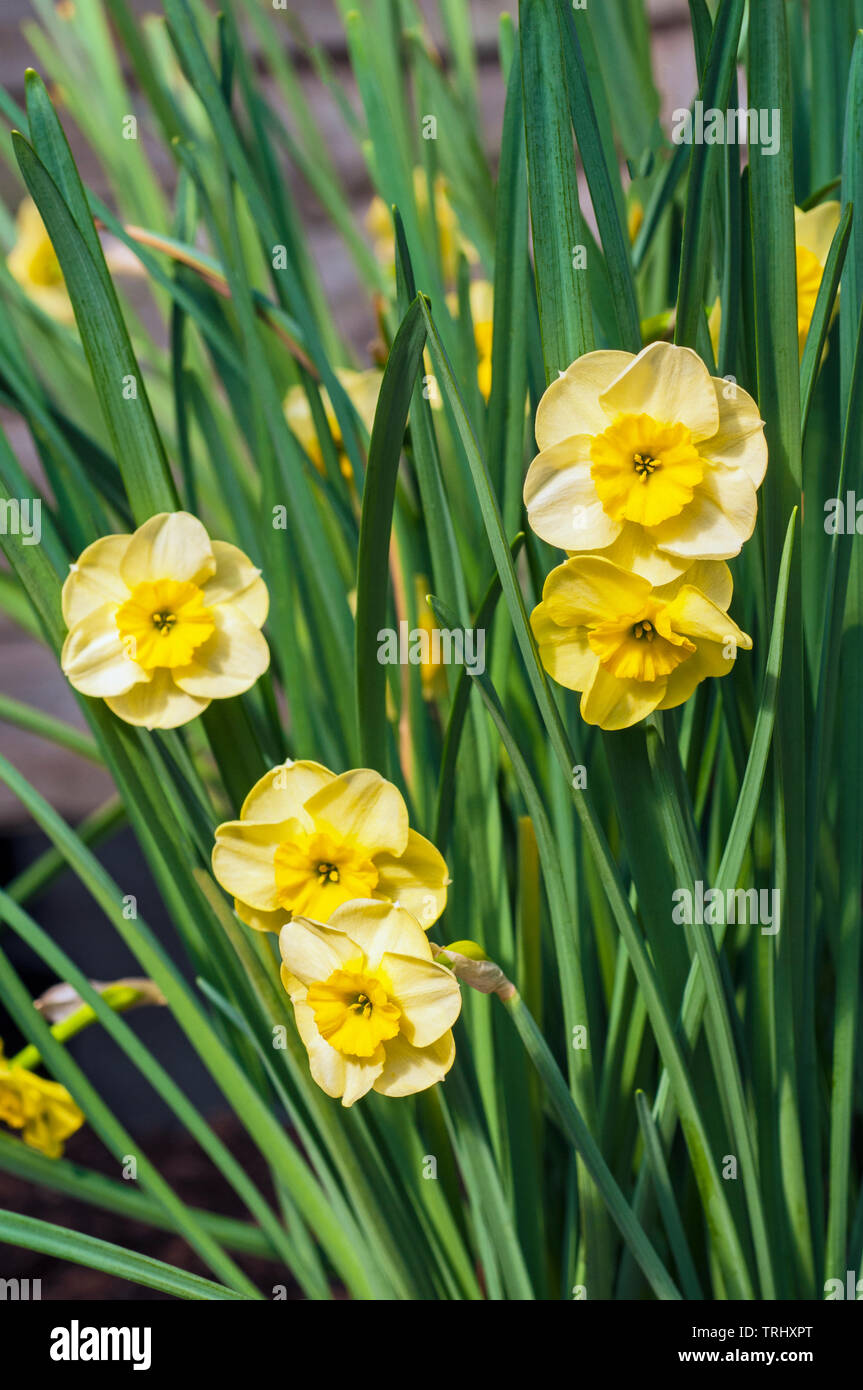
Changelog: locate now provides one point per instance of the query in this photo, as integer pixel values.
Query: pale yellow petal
(325, 1063)
(669, 383)
(157, 704)
(589, 589)
(636, 550)
(739, 442)
(416, 879)
(563, 506)
(720, 517)
(360, 1075)
(172, 545)
(571, 404)
(95, 579)
(363, 807)
(377, 927)
(312, 951)
(564, 651)
(283, 791)
(230, 661)
(238, 582)
(94, 658)
(259, 920)
(816, 228)
(712, 577)
(708, 659)
(617, 704)
(243, 861)
(693, 614)
(427, 994)
(408, 1069)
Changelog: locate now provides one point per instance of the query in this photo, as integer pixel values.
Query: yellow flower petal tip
(42, 1110)
(631, 647)
(308, 841)
(647, 459)
(163, 621)
(373, 1008)
(33, 263)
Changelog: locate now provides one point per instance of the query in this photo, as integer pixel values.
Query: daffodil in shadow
(374, 1010)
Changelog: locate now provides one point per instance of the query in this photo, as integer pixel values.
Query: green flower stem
(117, 997)
(577, 1132)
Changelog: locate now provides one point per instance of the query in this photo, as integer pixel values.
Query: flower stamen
(644, 465)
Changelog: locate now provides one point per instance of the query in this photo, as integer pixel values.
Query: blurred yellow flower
(164, 621)
(374, 1010)
(482, 314)
(43, 1110)
(451, 242)
(634, 218)
(631, 648)
(814, 232)
(648, 459)
(308, 841)
(362, 389)
(433, 671)
(33, 263)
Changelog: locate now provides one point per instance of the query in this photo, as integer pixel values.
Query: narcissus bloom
(33, 263)
(631, 648)
(647, 458)
(42, 1110)
(308, 841)
(164, 621)
(372, 1007)
(362, 389)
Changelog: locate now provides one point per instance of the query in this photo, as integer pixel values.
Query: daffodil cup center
(639, 647)
(645, 470)
(315, 872)
(353, 1010)
(163, 622)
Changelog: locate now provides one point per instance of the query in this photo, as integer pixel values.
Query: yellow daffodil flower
(451, 242)
(648, 459)
(374, 1010)
(813, 232)
(362, 389)
(42, 1110)
(164, 621)
(629, 647)
(308, 841)
(33, 263)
